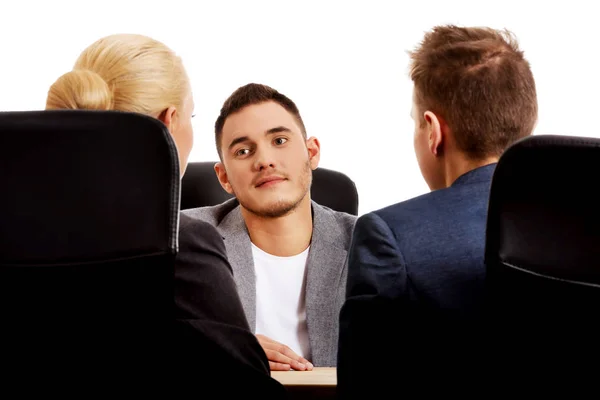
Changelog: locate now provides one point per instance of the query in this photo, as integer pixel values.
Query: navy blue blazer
(415, 269)
(427, 250)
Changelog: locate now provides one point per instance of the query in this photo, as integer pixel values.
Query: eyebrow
(271, 131)
(277, 130)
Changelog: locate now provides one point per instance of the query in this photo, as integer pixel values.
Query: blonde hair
(124, 72)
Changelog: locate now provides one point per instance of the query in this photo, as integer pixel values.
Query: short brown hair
(250, 94)
(479, 82)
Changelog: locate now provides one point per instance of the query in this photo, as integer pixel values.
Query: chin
(278, 208)
(271, 209)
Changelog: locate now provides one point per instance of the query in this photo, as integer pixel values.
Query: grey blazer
(326, 274)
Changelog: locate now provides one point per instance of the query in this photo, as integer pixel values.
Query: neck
(459, 165)
(283, 236)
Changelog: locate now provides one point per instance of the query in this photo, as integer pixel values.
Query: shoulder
(195, 233)
(330, 214)
(333, 223)
(374, 232)
(212, 214)
(428, 206)
(444, 204)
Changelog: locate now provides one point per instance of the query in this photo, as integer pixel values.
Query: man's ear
(223, 179)
(169, 118)
(434, 130)
(314, 151)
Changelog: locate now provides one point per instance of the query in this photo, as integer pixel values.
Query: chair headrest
(543, 214)
(83, 186)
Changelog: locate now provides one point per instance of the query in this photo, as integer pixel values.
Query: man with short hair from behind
(416, 268)
(287, 252)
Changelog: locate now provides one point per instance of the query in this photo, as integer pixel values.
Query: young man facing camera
(288, 253)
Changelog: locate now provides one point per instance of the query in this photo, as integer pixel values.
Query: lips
(268, 179)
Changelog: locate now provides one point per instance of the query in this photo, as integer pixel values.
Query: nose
(263, 159)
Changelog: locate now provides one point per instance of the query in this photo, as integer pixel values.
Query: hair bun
(80, 89)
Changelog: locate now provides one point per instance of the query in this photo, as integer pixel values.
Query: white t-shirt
(280, 300)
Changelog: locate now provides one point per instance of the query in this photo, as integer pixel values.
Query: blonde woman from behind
(135, 73)
(132, 73)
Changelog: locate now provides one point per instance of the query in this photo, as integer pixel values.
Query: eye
(193, 115)
(241, 152)
(280, 140)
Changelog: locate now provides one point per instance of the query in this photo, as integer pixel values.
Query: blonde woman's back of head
(124, 72)
(131, 73)
(80, 89)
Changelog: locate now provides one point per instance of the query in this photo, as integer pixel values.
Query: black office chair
(543, 245)
(88, 236)
(89, 216)
(89, 212)
(333, 189)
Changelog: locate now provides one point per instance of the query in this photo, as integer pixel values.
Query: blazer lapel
(326, 271)
(239, 253)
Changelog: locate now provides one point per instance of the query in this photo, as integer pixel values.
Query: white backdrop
(344, 63)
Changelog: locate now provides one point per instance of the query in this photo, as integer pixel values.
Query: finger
(285, 350)
(275, 366)
(281, 353)
(297, 362)
(277, 357)
(305, 362)
(298, 366)
(291, 357)
(263, 338)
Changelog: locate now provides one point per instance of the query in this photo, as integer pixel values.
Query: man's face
(267, 162)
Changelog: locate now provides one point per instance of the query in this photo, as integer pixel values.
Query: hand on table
(281, 357)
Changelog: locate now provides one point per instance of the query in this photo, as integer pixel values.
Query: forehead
(256, 119)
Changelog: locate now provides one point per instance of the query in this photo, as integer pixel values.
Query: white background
(344, 63)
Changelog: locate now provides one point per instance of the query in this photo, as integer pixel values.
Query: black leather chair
(543, 246)
(89, 212)
(88, 236)
(89, 216)
(333, 189)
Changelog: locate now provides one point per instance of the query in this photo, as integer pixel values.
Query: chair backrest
(333, 189)
(543, 234)
(88, 215)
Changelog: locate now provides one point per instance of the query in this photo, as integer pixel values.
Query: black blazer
(214, 346)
